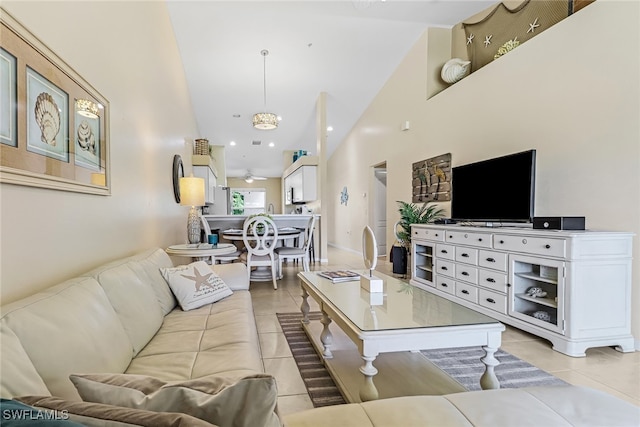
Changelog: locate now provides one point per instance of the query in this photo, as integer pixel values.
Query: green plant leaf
(411, 213)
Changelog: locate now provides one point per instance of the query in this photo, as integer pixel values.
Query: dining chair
(222, 259)
(296, 253)
(260, 236)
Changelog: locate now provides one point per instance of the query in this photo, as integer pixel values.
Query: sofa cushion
(147, 266)
(239, 402)
(234, 275)
(349, 415)
(69, 328)
(96, 414)
(133, 299)
(19, 376)
(195, 285)
(219, 338)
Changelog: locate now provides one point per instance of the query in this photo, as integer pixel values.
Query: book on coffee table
(339, 275)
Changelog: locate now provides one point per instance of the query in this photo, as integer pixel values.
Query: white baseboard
(344, 249)
(637, 345)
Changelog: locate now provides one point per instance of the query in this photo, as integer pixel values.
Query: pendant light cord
(264, 73)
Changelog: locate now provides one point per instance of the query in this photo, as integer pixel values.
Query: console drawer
(445, 267)
(445, 251)
(492, 300)
(490, 259)
(446, 284)
(466, 273)
(467, 255)
(482, 240)
(425, 233)
(532, 245)
(492, 279)
(468, 292)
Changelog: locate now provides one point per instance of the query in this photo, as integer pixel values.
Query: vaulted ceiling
(347, 49)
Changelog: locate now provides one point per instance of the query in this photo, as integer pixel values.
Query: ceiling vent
(256, 143)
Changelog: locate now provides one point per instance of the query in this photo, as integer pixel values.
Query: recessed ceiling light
(279, 118)
(237, 116)
(271, 144)
(232, 143)
(329, 128)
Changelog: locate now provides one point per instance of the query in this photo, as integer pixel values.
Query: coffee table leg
(489, 380)
(325, 337)
(304, 307)
(368, 391)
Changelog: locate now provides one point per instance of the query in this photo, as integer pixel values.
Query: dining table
(262, 274)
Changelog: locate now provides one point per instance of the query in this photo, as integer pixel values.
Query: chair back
(205, 227)
(260, 235)
(309, 237)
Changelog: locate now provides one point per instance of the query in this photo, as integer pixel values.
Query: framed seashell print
(54, 126)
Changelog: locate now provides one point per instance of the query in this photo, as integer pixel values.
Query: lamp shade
(192, 191)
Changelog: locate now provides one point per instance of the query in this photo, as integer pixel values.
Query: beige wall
(571, 93)
(129, 54)
(273, 187)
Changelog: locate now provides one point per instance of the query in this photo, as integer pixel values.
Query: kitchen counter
(223, 222)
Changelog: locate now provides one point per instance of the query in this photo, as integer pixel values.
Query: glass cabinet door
(536, 291)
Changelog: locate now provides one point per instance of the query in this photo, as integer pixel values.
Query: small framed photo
(8, 99)
(47, 117)
(87, 134)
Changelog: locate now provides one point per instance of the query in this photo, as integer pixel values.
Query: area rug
(462, 364)
(320, 386)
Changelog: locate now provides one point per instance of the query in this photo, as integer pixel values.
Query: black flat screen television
(501, 189)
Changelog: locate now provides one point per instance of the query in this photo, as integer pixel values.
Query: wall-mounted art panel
(431, 179)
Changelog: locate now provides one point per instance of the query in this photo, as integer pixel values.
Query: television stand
(572, 288)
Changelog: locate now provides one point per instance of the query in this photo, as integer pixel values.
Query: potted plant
(411, 213)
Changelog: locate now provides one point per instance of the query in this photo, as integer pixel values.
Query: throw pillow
(195, 285)
(97, 414)
(248, 401)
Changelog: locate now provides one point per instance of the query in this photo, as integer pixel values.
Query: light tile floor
(603, 368)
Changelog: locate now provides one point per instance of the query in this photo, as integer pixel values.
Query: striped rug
(463, 364)
(322, 390)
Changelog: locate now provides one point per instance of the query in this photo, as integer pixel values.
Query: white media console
(572, 288)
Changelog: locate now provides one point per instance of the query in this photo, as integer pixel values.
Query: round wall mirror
(369, 248)
(178, 172)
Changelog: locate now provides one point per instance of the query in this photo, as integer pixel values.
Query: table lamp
(192, 194)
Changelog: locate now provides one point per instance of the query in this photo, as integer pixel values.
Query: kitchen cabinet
(301, 185)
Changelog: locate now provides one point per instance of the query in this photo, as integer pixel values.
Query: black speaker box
(558, 222)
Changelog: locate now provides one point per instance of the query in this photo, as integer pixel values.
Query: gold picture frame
(55, 131)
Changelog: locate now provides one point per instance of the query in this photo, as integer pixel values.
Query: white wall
(127, 51)
(572, 93)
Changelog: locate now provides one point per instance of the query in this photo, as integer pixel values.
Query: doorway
(379, 208)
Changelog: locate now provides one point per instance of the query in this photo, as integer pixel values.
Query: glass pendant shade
(265, 121)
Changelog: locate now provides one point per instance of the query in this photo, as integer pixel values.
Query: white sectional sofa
(122, 318)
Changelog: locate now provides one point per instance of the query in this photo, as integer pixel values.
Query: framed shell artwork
(54, 126)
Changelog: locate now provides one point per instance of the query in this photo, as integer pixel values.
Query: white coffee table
(406, 318)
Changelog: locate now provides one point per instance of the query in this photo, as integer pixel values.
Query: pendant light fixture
(265, 120)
